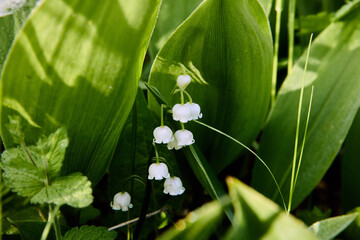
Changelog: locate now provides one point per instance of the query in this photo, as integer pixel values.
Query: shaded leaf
(257, 217)
(334, 72)
(350, 165)
(171, 15)
(199, 224)
(226, 47)
(329, 228)
(74, 190)
(77, 64)
(90, 233)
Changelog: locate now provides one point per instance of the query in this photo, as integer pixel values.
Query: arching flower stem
(188, 95)
(156, 154)
(162, 115)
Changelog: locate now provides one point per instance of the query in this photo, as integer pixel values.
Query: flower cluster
(182, 112)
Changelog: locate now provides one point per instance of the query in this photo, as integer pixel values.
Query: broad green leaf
(77, 64)
(226, 47)
(10, 25)
(334, 72)
(353, 231)
(199, 224)
(329, 228)
(314, 23)
(350, 165)
(257, 217)
(90, 233)
(171, 15)
(266, 4)
(74, 190)
(20, 174)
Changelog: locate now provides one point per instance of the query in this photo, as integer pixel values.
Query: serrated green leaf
(257, 217)
(329, 228)
(226, 47)
(52, 151)
(74, 190)
(77, 64)
(199, 224)
(90, 233)
(334, 72)
(20, 174)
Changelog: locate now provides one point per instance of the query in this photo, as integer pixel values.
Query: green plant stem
(292, 183)
(188, 95)
(51, 218)
(56, 222)
(278, 9)
(182, 97)
(291, 20)
(162, 115)
(156, 153)
(244, 146)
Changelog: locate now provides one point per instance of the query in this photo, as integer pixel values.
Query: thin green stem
(156, 153)
(304, 139)
(278, 9)
(51, 218)
(162, 115)
(188, 95)
(291, 23)
(244, 146)
(182, 96)
(56, 222)
(292, 182)
(182, 126)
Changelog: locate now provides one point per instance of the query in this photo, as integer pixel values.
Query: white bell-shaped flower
(173, 186)
(195, 110)
(158, 171)
(182, 113)
(173, 144)
(122, 201)
(163, 134)
(182, 81)
(184, 137)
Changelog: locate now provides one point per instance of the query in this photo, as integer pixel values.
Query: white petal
(121, 201)
(182, 113)
(163, 134)
(195, 110)
(158, 171)
(173, 186)
(184, 137)
(182, 81)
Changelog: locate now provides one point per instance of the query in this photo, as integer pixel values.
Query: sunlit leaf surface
(77, 64)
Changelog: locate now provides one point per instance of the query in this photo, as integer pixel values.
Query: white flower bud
(158, 171)
(184, 137)
(182, 81)
(163, 134)
(173, 144)
(173, 186)
(182, 113)
(121, 201)
(195, 110)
